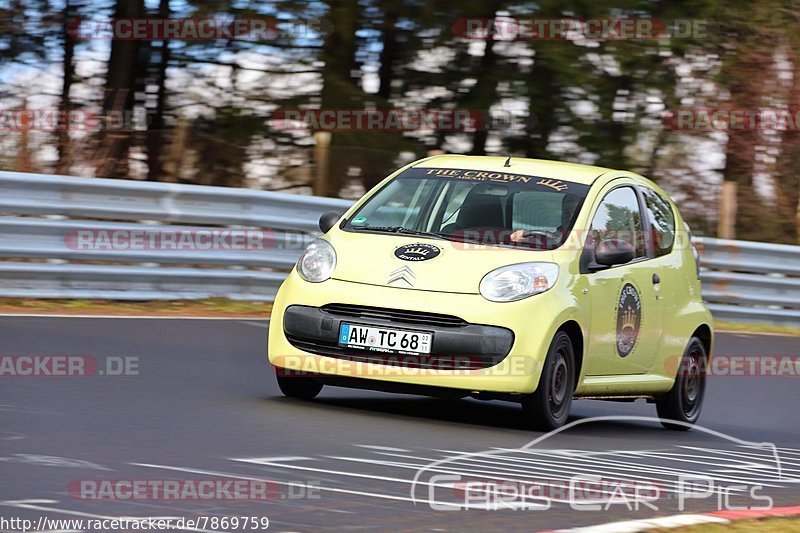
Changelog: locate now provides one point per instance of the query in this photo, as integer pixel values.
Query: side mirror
(328, 219)
(614, 252)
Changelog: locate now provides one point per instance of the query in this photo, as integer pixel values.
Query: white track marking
(409, 466)
(51, 461)
(754, 478)
(478, 465)
(257, 461)
(542, 481)
(783, 462)
(792, 451)
(623, 467)
(405, 481)
(262, 324)
(561, 468)
(239, 476)
(682, 457)
(382, 448)
(676, 471)
(270, 460)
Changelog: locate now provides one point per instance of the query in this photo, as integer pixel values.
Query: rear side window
(662, 221)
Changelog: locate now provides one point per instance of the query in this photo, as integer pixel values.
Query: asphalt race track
(205, 405)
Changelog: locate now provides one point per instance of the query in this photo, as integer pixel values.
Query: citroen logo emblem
(404, 273)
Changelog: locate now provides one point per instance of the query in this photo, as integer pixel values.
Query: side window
(662, 220)
(618, 218)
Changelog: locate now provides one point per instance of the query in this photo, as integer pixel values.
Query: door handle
(656, 279)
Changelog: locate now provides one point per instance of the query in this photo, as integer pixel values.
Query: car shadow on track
(490, 415)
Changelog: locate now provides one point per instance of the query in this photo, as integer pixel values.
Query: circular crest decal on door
(629, 318)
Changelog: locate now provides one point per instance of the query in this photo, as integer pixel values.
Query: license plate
(385, 339)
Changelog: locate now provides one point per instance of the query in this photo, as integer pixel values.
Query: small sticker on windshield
(358, 221)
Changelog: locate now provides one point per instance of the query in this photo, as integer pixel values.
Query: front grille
(394, 315)
(437, 362)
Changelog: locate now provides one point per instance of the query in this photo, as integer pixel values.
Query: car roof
(585, 174)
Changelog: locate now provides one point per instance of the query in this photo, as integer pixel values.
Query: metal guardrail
(37, 194)
(751, 281)
(39, 238)
(43, 214)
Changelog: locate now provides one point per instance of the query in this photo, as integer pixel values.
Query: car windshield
(480, 207)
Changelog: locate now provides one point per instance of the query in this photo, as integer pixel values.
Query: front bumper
(457, 345)
(505, 343)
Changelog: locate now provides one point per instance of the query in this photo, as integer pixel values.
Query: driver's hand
(518, 236)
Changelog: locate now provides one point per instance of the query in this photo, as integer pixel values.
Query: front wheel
(548, 407)
(294, 386)
(684, 401)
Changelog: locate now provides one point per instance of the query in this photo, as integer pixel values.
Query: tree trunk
(23, 161)
(542, 101)
(65, 106)
(740, 152)
(483, 96)
(389, 51)
(118, 101)
(155, 128)
(787, 169)
(339, 90)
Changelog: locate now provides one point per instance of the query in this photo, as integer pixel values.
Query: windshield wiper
(401, 230)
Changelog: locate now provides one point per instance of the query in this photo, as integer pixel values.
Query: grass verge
(220, 307)
(224, 307)
(746, 327)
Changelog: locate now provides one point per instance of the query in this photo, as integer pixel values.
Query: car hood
(369, 258)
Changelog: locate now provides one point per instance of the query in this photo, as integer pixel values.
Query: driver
(539, 237)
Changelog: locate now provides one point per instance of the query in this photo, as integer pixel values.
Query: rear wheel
(295, 386)
(548, 407)
(684, 401)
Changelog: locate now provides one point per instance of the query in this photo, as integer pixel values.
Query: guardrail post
(322, 141)
(726, 228)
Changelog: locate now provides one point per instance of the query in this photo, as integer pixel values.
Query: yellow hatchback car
(501, 278)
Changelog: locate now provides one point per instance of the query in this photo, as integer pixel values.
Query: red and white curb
(683, 520)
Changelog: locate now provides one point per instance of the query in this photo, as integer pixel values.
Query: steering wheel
(529, 235)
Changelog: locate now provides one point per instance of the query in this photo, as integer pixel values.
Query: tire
(299, 387)
(548, 407)
(684, 402)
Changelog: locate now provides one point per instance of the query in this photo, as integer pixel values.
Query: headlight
(515, 282)
(317, 262)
